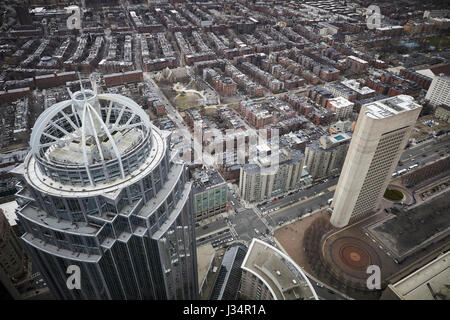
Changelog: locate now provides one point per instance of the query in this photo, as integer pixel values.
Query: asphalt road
(297, 210)
(300, 195)
(425, 148)
(211, 227)
(324, 293)
(246, 224)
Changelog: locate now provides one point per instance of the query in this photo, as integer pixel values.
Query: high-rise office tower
(439, 91)
(381, 133)
(100, 192)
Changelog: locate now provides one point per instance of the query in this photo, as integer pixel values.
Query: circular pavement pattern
(353, 256)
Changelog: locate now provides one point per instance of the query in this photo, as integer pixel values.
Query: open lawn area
(393, 195)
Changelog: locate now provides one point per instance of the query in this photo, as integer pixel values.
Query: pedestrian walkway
(216, 217)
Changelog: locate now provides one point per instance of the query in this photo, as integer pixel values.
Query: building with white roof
(381, 133)
(363, 91)
(431, 282)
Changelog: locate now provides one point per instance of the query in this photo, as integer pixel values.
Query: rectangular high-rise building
(439, 91)
(381, 133)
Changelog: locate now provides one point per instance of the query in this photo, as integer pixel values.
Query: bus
(413, 166)
(400, 172)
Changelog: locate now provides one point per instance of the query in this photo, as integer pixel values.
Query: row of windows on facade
(121, 250)
(72, 209)
(120, 224)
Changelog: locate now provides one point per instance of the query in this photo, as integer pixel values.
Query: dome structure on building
(98, 190)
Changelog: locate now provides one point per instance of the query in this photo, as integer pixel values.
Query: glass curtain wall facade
(104, 196)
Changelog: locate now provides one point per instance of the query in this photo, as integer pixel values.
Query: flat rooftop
(356, 86)
(284, 277)
(205, 258)
(341, 102)
(409, 230)
(340, 137)
(389, 28)
(390, 107)
(428, 283)
(357, 59)
(205, 180)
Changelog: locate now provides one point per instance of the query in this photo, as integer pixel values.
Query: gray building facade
(326, 156)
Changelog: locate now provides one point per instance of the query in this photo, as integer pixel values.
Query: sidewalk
(219, 216)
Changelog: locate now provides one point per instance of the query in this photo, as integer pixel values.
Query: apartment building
(356, 64)
(256, 184)
(326, 156)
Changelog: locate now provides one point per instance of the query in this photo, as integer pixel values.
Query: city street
(248, 225)
(297, 210)
(244, 222)
(425, 153)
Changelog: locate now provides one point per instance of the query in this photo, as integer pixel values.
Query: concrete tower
(439, 91)
(381, 133)
(99, 191)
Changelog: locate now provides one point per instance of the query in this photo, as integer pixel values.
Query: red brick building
(356, 64)
(225, 86)
(14, 94)
(115, 79)
(54, 80)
